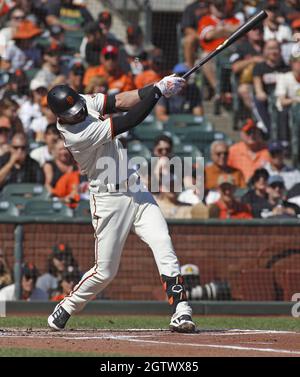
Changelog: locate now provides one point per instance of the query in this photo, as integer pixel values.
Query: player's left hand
(171, 85)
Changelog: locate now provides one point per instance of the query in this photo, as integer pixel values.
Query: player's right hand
(171, 85)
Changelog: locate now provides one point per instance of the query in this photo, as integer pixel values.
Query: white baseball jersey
(93, 139)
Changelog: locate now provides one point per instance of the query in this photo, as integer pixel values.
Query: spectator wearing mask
(213, 29)
(69, 14)
(257, 196)
(110, 69)
(191, 17)
(66, 284)
(277, 166)
(227, 207)
(29, 291)
(251, 152)
(60, 260)
(5, 274)
(247, 54)
(219, 152)
(44, 153)
(265, 77)
(62, 163)
(189, 100)
(17, 166)
(5, 133)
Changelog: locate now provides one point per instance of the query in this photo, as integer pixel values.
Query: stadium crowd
(47, 43)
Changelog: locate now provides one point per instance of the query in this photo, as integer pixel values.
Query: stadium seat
(148, 135)
(8, 209)
(83, 209)
(20, 193)
(188, 120)
(137, 148)
(187, 150)
(47, 208)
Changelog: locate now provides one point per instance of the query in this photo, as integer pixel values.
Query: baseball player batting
(115, 208)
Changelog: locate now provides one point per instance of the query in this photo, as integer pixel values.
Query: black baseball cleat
(58, 319)
(182, 323)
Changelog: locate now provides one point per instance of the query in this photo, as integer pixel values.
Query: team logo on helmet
(70, 100)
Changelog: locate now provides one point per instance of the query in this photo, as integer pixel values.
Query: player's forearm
(137, 113)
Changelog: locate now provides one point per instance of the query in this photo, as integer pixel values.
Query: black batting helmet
(64, 102)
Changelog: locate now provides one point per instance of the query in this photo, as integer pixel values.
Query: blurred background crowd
(250, 172)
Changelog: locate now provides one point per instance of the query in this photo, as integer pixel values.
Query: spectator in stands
(192, 192)
(117, 80)
(69, 15)
(5, 133)
(277, 204)
(17, 91)
(290, 10)
(22, 54)
(31, 109)
(75, 77)
(274, 24)
(246, 9)
(213, 29)
(50, 67)
(17, 166)
(251, 152)
(105, 23)
(277, 166)
(92, 43)
(38, 125)
(248, 53)
(227, 207)
(152, 71)
(257, 196)
(62, 163)
(190, 19)
(44, 153)
(60, 260)
(5, 275)
(71, 187)
(98, 84)
(10, 108)
(265, 78)
(219, 152)
(29, 290)
(163, 146)
(291, 47)
(189, 100)
(16, 16)
(287, 89)
(4, 79)
(167, 200)
(66, 284)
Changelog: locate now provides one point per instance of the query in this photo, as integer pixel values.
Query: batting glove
(170, 85)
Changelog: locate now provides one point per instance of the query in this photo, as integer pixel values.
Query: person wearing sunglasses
(219, 152)
(110, 69)
(29, 291)
(17, 166)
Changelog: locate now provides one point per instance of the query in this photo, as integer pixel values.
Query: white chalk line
(132, 338)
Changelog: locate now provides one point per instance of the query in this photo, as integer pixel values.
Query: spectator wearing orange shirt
(151, 71)
(117, 80)
(219, 152)
(213, 29)
(227, 207)
(251, 152)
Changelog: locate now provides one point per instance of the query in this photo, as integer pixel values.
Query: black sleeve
(137, 113)
(258, 70)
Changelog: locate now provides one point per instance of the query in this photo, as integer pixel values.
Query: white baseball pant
(113, 216)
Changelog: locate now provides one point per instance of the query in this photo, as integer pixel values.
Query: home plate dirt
(145, 342)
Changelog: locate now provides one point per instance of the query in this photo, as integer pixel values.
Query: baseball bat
(242, 30)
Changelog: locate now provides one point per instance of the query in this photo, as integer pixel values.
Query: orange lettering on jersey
(70, 100)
